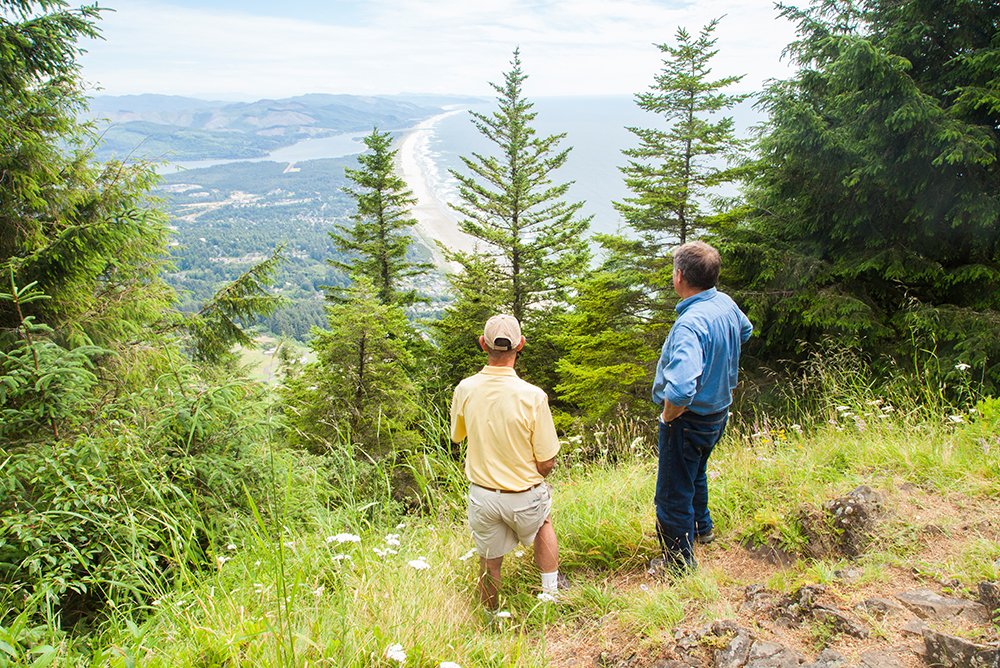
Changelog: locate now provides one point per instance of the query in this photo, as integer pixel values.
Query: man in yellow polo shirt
(512, 448)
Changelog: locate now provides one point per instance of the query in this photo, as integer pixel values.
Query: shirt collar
(683, 304)
(498, 371)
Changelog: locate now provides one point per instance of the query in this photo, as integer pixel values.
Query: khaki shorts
(500, 520)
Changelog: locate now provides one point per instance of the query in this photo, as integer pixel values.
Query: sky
(252, 49)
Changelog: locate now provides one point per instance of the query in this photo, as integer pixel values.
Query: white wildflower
(448, 664)
(797, 428)
(503, 614)
(420, 563)
(231, 547)
(318, 591)
(341, 557)
(220, 560)
(468, 555)
(546, 597)
(344, 538)
(395, 653)
(843, 409)
(384, 553)
(401, 525)
(392, 539)
(956, 418)
(962, 366)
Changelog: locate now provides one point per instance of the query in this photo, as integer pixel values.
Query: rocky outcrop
(953, 652)
(927, 605)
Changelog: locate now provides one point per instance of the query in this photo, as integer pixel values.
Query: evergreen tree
(612, 337)
(673, 171)
(358, 391)
(623, 309)
(534, 240)
(83, 233)
(379, 239)
(878, 200)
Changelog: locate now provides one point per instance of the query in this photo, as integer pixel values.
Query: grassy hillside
(317, 597)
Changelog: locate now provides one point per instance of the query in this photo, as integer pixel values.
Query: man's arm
(458, 432)
(671, 412)
(746, 327)
(681, 365)
(545, 468)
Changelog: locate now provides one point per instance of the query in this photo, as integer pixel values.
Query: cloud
(568, 47)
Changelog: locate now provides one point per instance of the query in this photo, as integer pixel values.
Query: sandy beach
(435, 221)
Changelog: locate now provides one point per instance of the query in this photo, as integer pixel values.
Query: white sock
(550, 582)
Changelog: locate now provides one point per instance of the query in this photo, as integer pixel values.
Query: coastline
(436, 223)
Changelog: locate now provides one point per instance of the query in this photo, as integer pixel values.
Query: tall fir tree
(674, 171)
(379, 240)
(84, 233)
(358, 390)
(532, 239)
(674, 174)
(876, 207)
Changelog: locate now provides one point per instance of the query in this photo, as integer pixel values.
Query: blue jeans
(681, 483)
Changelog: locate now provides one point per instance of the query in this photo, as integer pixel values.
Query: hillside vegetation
(159, 506)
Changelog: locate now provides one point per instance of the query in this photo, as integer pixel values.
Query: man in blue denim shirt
(695, 377)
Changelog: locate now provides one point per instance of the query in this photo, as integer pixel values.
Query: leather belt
(506, 491)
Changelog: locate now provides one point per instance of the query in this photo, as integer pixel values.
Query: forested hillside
(160, 507)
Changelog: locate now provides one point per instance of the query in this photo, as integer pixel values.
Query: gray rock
(758, 599)
(928, 605)
(736, 653)
(855, 516)
(772, 655)
(828, 659)
(915, 627)
(989, 596)
(880, 608)
(950, 651)
(839, 622)
(879, 659)
(849, 574)
(798, 605)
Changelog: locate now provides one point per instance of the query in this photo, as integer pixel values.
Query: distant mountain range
(172, 128)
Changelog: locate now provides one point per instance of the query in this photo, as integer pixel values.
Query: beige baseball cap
(504, 328)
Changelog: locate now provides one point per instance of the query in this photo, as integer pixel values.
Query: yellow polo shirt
(509, 427)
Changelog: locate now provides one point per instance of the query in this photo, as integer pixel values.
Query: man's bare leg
(547, 548)
(489, 581)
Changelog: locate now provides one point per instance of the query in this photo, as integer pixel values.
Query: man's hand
(671, 412)
(545, 468)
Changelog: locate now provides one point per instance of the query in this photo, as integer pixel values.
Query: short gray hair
(699, 263)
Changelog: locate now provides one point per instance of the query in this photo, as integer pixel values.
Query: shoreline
(436, 223)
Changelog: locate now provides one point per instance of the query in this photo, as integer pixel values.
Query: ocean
(596, 130)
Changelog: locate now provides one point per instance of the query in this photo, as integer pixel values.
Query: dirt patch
(933, 528)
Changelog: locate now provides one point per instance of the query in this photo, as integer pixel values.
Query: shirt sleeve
(544, 440)
(684, 365)
(458, 432)
(746, 327)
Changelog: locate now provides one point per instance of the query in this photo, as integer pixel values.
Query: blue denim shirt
(699, 365)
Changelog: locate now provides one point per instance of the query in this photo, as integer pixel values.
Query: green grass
(284, 597)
